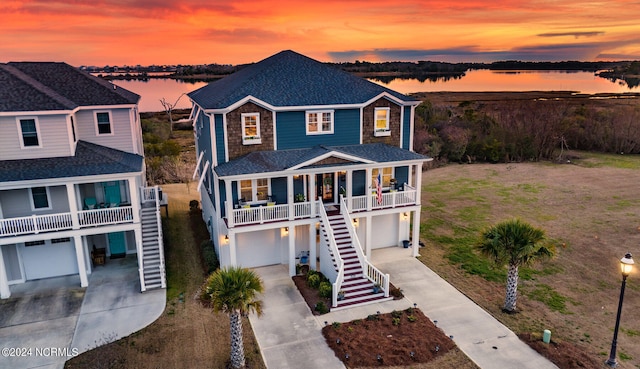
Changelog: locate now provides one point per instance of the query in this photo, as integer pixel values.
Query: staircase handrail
(336, 254)
(369, 270)
(163, 279)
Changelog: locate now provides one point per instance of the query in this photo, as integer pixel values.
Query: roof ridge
(38, 85)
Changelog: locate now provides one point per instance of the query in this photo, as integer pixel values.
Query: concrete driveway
(46, 322)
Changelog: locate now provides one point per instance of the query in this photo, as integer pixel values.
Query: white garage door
(254, 249)
(49, 260)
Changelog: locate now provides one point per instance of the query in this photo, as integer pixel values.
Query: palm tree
(515, 243)
(233, 291)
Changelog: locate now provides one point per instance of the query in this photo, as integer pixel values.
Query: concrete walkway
(288, 333)
(57, 319)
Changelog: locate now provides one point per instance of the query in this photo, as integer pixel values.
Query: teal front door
(117, 246)
(112, 193)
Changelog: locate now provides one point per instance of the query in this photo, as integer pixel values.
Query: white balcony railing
(388, 200)
(270, 213)
(64, 221)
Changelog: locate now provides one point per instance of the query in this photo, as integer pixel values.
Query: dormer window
(381, 117)
(319, 122)
(29, 131)
(103, 123)
(251, 129)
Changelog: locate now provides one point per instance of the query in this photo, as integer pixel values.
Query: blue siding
(292, 133)
(402, 175)
(406, 128)
(204, 140)
(359, 178)
(223, 197)
(220, 139)
(298, 186)
(279, 189)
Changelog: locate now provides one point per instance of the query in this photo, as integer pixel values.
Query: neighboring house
(290, 152)
(72, 178)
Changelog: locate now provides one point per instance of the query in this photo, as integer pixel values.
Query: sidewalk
(288, 333)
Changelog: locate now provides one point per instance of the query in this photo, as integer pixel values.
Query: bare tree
(168, 108)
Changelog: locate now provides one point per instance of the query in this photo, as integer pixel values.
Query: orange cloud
(97, 32)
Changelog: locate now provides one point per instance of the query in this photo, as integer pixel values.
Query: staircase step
(345, 304)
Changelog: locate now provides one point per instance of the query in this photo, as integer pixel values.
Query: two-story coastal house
(302, 163)
(72, 178)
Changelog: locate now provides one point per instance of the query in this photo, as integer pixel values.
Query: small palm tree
(233, 291)
(515, 243)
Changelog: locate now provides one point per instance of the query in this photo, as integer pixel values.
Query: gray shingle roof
(89, 159)
(41, 86)
(275, 161)
(290, 79)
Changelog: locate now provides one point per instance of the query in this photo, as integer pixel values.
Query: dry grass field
(589, 207)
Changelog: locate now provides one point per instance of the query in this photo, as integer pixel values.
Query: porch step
(347, 304)
(151, 244)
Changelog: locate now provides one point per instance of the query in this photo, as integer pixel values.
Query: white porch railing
(261, 214)
(370, 271)
(63, 221)
(336, 254)
(388, 200)
(98, 217)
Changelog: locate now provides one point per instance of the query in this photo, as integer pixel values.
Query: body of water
(475, 80)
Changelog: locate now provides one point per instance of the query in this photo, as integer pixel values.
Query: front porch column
(233, 260)
(367, 237)
(349, 188)
(418, 183)
(312, 194)
(135, 199)
(312, 247)
(290, 196)
(229, 205)
(368, 189)
(73, 205)
(5, 292)
(292, 251)
(80, 257)
(415, 238)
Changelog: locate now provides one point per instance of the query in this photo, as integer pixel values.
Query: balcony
(271, 213)
(35, 224)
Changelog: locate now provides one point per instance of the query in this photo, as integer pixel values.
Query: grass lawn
(589, 208)
(187, 335)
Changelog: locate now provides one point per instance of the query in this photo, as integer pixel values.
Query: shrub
(313, 280)
(336, 325)
(396, 314)
(325, 289)
(395, 321)
(321, 308)
(373, 317)
(412, 318)
(211, 262)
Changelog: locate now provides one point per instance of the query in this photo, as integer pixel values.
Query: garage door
(49, 260)
(254, 249)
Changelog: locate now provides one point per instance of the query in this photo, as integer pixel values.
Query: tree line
(524, 130)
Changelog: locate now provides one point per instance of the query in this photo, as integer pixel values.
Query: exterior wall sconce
(405, 216)
(355, 222)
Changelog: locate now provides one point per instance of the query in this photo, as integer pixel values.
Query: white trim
(401, 126)
(329, 154)
(254, 189)
(202, 176)
(411, 127)
(63, 181)
(212, 139)
(309, 107)
(382, 132)
(21, 136)
(361, 123)
(47, 192)
(196, 171)
(275, 134)
(250, 140)
(111, 125)
(319, 115)
(225, 136)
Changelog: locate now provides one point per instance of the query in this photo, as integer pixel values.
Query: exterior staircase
(357, 288)
(152, 269)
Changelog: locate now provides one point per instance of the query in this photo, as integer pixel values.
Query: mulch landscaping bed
(564, 354)
(311, 295)
(398, 338)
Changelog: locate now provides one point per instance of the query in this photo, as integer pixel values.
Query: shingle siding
(368, 123)
(234, 130)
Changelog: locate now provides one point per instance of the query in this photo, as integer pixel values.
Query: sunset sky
(119, 32)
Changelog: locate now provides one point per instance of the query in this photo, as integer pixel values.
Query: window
(254, 190)
(387, 174)
(251, 129)
(34, 243)
(319, 122)
(381, 116)
(29, 131)
(103, 121)
(40, 198)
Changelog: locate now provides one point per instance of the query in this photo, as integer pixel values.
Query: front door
(112, 193)
(325, 186)
(117, 245)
